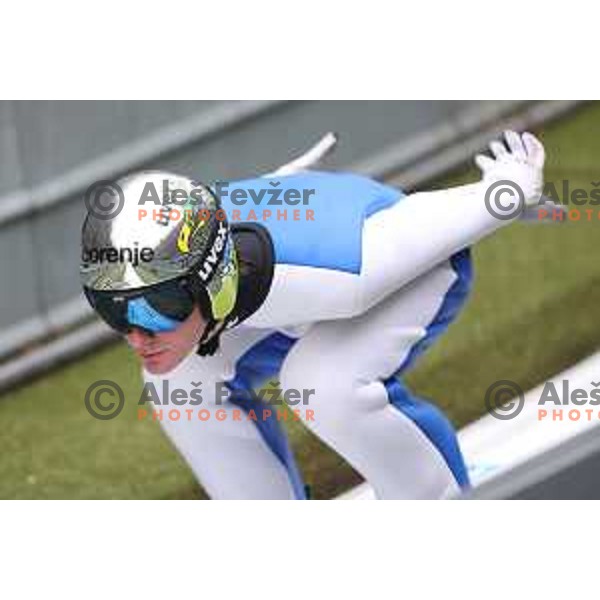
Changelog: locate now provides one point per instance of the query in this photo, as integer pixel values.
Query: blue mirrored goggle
(159, 309)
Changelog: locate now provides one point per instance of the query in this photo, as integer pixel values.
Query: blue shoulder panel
(340, 203)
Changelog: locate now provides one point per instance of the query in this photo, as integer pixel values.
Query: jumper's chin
(162, 362)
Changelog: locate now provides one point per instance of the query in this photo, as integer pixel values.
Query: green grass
(533, 312)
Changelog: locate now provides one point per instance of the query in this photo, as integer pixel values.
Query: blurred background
(530, 315)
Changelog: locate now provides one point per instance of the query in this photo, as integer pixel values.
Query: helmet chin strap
(209, 342)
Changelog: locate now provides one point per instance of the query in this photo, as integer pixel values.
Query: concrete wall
(52, 151)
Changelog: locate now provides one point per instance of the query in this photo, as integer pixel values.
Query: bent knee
(316, 381)
(335, 401)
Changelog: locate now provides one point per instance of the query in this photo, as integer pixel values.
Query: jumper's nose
(139, 337)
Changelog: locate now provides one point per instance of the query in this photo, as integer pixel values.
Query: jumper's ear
(200, 295)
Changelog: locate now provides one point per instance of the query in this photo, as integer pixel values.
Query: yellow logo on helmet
(187, 230)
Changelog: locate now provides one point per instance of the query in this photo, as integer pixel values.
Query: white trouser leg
(229, 457)
(346, 362)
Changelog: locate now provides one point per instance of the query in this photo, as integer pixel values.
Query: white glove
(520, 162)
(309, 159)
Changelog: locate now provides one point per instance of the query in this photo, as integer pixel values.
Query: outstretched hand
(518, 159)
